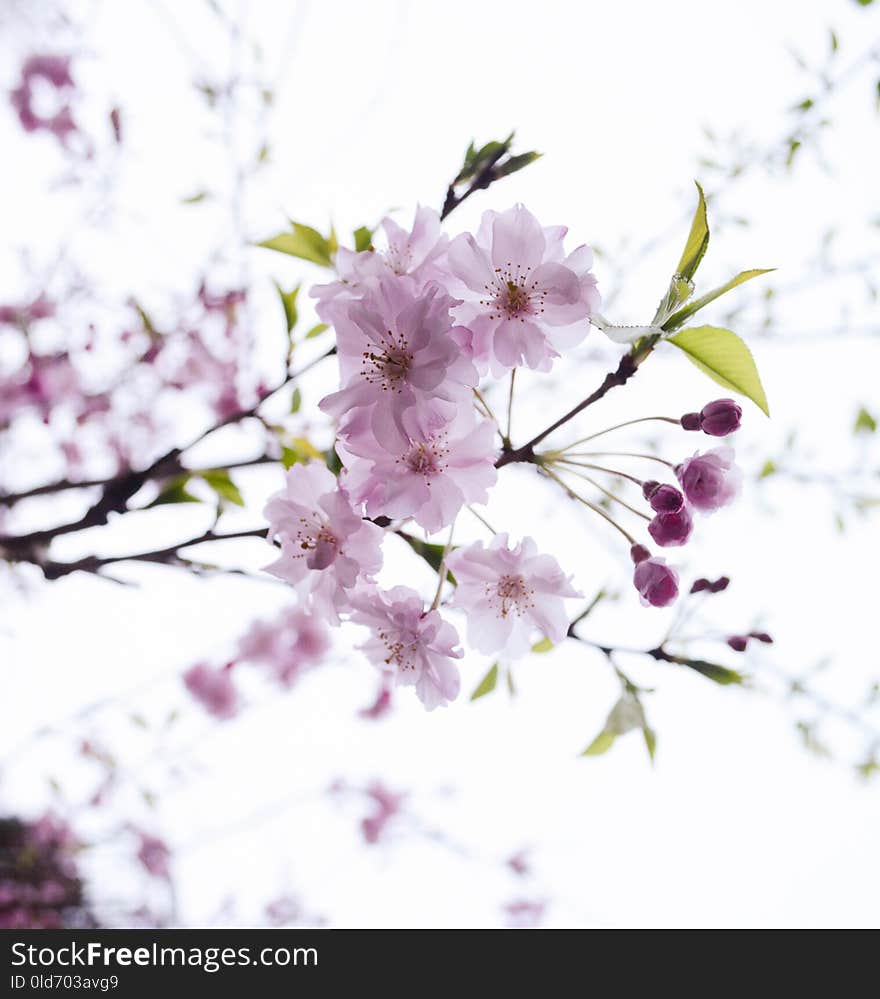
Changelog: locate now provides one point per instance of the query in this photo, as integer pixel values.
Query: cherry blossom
(418, 254)
(288, 645)
(510, 595)
(524, 300)
(213, 688)
(710, 480)
(410, 645)
(326, 545)
(437, 470)
(398, 351)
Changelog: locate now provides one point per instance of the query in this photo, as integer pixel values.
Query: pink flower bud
(761, 636)
(656, 582)
(738, 642)
(670, 530)
(638, 553)
(690, 421)
(720, 418)
(663, 498)
(711, 480)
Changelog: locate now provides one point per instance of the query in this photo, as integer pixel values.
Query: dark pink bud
(638, 553)
(656, 582)
(670, 530)
(663, 498)
(738, 642)
(690, 421)
(761, 636)
(720, 418)
(711, 480)
(720, 584)
(699, 585)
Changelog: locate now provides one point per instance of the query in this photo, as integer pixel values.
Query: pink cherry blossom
(436, 471)
(213, 688)
(710, 480)
(380, 707)
(154, 855)
(388, 804)
(326, 545)
(417, 254)
(287, 645)
(523, 299)
(410, 645)
(510, 595)
(398, 351)
(656, 582)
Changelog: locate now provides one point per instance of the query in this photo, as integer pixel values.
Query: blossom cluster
(417, 324)
(40, 887)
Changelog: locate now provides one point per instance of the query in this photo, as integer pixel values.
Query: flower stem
(608, 493)
(618, 426)
(591, 506)
(620, 454)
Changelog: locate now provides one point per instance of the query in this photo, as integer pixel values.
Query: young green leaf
(363, 238)
(175, 492)
(487, 684)
(303, 242)
(677, 318)
(723, 356)
(316, 330)
(697, 241)
(545, 645)
(865, 423)
(219, 480)
(601, 744)
(288, 303)
(713, 671)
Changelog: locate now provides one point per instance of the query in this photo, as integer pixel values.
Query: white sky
(735, 824)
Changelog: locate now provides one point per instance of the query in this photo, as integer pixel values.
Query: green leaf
(316, 330)
(865, 423)
(650, 740)
(545, 645)
(487, 684)
(219, 480)
(677, 318)
(767, 469)
(175, 492)
(697, 241)
(363, 238)
(713, 671)
(515, 163)
(511, 689)
(303, 242)
(194, 199)
(295, 401)
(601, 744)
(299, 450)
(626, 715)
(288, 302)
(723, 356)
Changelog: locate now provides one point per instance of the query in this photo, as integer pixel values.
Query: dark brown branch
(163, 556)
(627, 367)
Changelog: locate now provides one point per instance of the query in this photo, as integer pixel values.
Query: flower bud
(699, 585)
(656, 582)
(761, 636)
(720, 584)
(711, 480)
(662, 497)
(691, 421)
(670, 530)
(738, 642)
(638, 553)
(720, 418)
